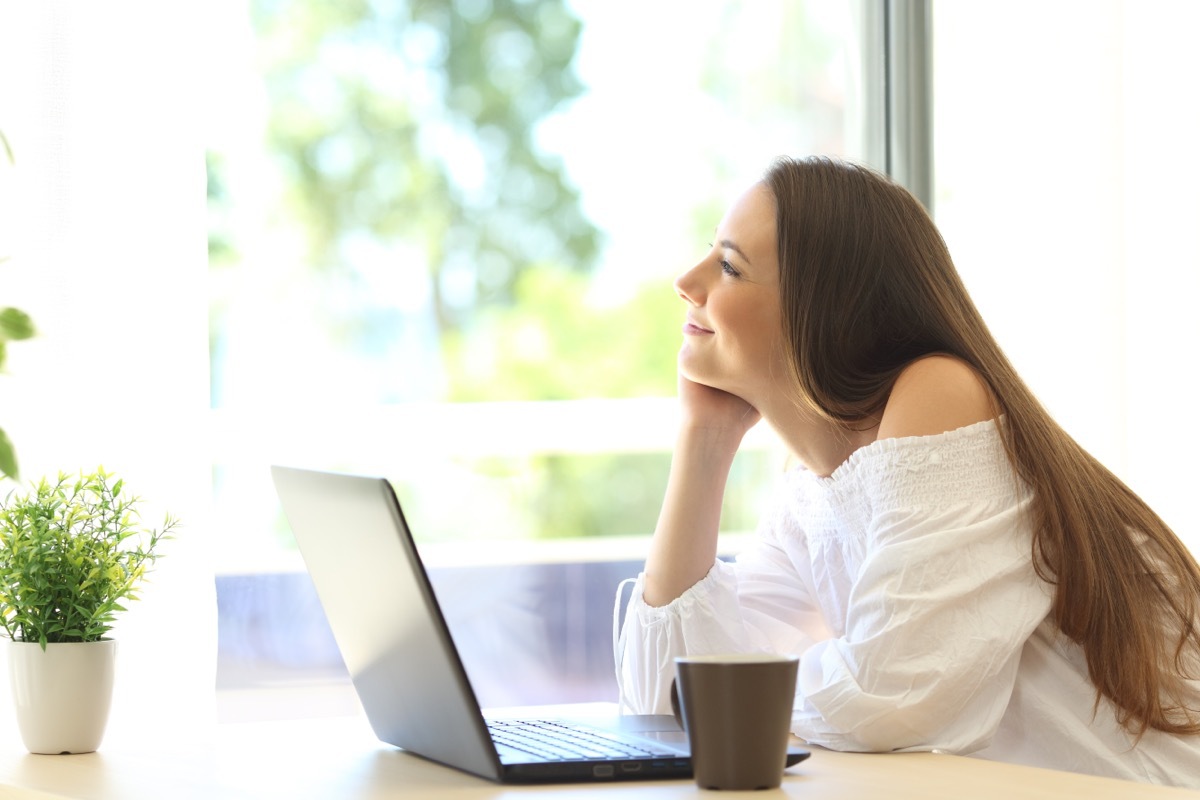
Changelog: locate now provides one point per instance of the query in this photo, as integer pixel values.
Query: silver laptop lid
(387, 624)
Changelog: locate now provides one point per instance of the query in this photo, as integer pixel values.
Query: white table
(339, 757)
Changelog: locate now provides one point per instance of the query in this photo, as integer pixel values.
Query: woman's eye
(729, 269)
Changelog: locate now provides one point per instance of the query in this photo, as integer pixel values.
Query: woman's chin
(693, 371)
(704, 377)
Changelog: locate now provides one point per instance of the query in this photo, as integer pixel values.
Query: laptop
(406, 670)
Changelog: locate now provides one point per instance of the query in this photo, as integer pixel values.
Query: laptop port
(603, 770)
(631, 766)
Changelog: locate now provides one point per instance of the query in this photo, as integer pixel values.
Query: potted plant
(72, 552)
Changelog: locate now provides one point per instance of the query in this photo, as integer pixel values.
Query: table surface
(339, 757)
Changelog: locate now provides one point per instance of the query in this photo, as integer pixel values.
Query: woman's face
(732, 335)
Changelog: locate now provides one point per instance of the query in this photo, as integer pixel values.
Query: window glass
(443, 238)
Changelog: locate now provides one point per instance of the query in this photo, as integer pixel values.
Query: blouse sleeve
(757, 603)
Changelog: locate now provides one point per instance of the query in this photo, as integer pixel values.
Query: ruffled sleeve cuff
(704, 620)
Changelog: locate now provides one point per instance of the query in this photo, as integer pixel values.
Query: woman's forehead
(750, 222)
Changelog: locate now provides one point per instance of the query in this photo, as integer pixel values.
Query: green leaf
(15, 324)
(71, 557)
(8, 457)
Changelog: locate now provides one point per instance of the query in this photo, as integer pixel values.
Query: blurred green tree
(413, 123)
(405, 137)
(553, 344)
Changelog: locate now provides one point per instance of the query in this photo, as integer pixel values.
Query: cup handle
(675, 704)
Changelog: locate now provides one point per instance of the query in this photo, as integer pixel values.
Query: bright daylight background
(437, 244)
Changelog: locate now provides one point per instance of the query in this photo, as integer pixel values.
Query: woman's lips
(692, 329)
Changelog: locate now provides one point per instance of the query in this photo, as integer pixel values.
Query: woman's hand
(706, 407)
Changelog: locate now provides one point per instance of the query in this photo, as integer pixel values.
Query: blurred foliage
(414, 122)
(562, 495)
(15, 325)
(619, 494)
(404, 137)
(411, 125)
(554, 345)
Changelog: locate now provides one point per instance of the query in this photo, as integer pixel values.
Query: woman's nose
(688, 287)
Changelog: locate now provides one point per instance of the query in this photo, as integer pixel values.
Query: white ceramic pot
(62, 694)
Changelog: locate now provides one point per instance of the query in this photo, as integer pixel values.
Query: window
(442, 243)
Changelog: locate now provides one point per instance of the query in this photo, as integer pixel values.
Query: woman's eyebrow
(730, 245)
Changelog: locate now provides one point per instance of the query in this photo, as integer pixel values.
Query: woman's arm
(758, 603)
(684, 546)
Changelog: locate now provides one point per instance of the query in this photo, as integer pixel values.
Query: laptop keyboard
(555, 741)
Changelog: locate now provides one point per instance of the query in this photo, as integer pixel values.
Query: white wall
(104, 218)
(1066, 160)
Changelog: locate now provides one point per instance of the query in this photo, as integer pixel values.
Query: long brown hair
(867, 286)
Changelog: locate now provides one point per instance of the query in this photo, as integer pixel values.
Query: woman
(955, 572)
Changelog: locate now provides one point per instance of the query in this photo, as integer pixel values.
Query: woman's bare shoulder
(934, 395)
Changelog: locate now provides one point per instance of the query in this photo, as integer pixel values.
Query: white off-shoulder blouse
(905, 581)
